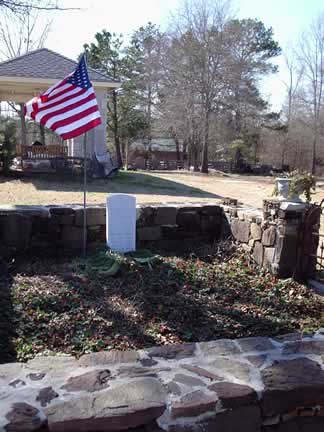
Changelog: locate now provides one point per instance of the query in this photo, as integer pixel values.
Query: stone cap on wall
(228, 385)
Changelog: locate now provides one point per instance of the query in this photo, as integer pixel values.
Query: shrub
(8, 131)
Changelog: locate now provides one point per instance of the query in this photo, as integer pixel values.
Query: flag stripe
(65, 109)
(50, 123)
(75, 117)
(59, 95)
(81, 130)
(78, 123)
(69, 98)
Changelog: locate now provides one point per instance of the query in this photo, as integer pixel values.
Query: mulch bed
(63, 305)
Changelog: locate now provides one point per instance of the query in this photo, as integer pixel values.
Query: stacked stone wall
(246, 385)
(276, 239)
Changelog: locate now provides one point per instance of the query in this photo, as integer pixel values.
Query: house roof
(157, 144)
(45, 64)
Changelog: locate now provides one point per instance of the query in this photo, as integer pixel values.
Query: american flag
(69, 108)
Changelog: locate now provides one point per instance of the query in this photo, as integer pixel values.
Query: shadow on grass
(123, 182)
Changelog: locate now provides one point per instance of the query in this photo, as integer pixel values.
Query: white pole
(84, 195)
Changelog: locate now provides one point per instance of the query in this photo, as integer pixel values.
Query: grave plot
(72, 306)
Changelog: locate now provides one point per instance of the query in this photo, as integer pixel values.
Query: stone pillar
(296, 238)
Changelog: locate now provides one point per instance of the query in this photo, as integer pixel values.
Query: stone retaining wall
(246, 385)
(276, 239)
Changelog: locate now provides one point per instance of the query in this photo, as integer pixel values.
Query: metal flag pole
(84, 195)
(85, 184)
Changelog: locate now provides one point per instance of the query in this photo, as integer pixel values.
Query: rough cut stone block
(234, 395)
(269, 236)
(231, 368)
(89, 381)
(96, 233)
(257, 360)
(137, 371)
(23, 418)
(166, 216)
(221, 347)
(188, 380)
(95, 216)
(304, 347)
(64, 219)
(15, 231)
(132, 404)
(9, 371)
(108, 358)
(72, 237)
(148, 362)
(61, 211)
(211, 210)
(258, 253)
(289, 337)
(145, 216)
(189, 219)
(211, 226)
(268, 257)
(286, 254)
(170, 232)
(173, 388)
(201, 372)
(46, 395)
(255, 344)
(152, 233)
(289, 384)
(241, 230)
(172, 351)
(193, 404)
(256, 231)
(55, 366)
(245, 419)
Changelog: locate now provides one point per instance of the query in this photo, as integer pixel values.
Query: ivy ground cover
(64, 305)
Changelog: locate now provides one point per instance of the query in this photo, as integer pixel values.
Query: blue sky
(71, 29)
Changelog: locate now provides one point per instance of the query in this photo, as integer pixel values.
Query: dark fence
(224, 166)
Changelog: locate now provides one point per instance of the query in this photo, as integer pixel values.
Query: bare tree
(19, 34)
(292, 86)
(198, 28)
(311, 60)
(21, 6)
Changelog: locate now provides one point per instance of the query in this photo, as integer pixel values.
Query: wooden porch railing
(42, 152)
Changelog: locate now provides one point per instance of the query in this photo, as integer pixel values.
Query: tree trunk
(42, 134)
(23, 124)
(126, 153)
(314, 153)
(116, 130)
(184, 150)
(315, 141)
(284, 150)
(189, 153)
(149, 125)
(195, 155)
(177, 148)
(204, 159)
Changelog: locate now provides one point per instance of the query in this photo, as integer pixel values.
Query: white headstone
(121, 222)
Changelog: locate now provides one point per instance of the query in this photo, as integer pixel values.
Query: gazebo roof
(31, 73)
